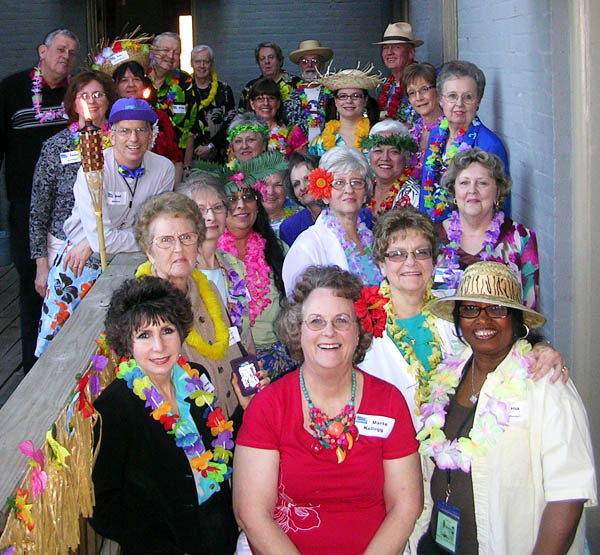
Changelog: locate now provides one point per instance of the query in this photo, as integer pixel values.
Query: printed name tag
(116, 197)
(70, 157)
(234, 335)
(519, 411)
(374, 426)
(178, 108)
(206, 384)
(119, 57)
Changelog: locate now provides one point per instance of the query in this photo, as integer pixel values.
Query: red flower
(320, 183)
(168, 421)
(369, 310)
(215, 417)
(117, 47)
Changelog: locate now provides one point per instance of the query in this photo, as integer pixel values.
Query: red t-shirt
(323, 506)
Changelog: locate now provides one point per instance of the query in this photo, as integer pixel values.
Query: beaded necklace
(210, 467)
(332, 127)
(37, 83)
(313, 119)
(339, 431)
(405, 344)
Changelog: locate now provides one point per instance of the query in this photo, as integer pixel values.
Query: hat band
(397, 37)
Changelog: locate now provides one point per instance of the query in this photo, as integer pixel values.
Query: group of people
(356, 252)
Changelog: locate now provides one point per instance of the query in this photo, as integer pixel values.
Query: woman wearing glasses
(56, 170)
(350, 113)
(338, 236)
(264, 100)
(460, 87)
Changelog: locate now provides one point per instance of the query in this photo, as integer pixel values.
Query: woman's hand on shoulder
(545, 359)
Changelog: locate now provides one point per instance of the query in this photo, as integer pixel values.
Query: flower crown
(402, 143)
(369, 310)
(130, 48)
(236, 183)
(319, 183)
(247, 127)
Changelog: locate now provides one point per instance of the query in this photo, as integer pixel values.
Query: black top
(21, 134)
(146, 498)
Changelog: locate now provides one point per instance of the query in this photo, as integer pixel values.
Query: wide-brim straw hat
(130, 48)
(488, 282)
(312, 46)
(399, 33)
(351, 79)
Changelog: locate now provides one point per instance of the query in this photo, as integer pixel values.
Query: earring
(365, 113)
(526, 331)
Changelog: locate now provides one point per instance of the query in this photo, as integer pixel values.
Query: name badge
(234, 335)
(206, 383)
(519, 412)
(374, 426)
(448, 522)
(70, 157)
(178, 108)
(119, 57)
(116, 197)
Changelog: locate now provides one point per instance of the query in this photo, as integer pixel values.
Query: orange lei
(332, 127)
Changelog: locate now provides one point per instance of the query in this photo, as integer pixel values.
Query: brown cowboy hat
(313, 46)
(399, 33)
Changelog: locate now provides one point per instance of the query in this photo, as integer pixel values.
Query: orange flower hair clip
(319, 183)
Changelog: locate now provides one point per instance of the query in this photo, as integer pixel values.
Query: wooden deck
(11, 368)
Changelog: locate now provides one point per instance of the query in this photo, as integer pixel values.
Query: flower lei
(257, 270)
(37, 83)
(319, 183)
(210, 465)
(284, 88)
(247, 127)
(214, 83)
(237, 297)
(217, 350)
(74, 130)
(278, 140)
(391, 99)
(489, 424)
(369, 310)
(312, 119)
(452, 274)
(352, 255)
(332, 127)
(386, 204)
(416, 132)
(398, 336)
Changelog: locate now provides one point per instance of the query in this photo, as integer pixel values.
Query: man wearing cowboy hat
(397, 51)
(305, 106)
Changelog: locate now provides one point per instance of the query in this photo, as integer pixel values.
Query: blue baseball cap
(133, 109)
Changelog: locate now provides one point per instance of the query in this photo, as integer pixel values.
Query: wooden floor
(11, 368)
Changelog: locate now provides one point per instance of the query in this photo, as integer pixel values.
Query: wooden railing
(40, 404)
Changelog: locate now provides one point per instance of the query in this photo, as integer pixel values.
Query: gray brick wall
(425, 16)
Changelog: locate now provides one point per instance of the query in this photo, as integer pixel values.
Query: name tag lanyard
(131, 191)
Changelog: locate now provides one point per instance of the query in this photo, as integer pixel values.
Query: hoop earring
(526, 332)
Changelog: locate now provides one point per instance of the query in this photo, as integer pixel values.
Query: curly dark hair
(266, 85)
(81, 80)
(138, 302)
(372, 108)
(288, 324)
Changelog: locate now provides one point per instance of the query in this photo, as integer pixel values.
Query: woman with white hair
(338, 236)
(247, 136)
(389, 146)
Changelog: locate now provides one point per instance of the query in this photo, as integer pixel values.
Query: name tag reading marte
(373, 425)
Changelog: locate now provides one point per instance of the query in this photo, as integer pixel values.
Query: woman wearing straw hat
(510, 459)
(350, 116)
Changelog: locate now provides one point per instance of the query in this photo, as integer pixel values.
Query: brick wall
(425, 16)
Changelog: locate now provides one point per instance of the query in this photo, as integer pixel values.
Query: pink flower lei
(452, 274)
(257, 270)
(37, 83)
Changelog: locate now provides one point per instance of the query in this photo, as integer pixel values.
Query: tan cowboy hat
(488, 282)
(351, 79)
(313, 46)
(399, 33)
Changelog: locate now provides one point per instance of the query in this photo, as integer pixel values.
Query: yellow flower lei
(331, 127)
(397, 335)
(218, 348)
(214, 83)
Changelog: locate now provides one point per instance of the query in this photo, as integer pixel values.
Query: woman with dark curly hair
(160, 477)
(306, 482)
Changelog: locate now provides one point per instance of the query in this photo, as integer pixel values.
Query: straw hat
(488, 282)
(313, 46)
(399, 33)
(351, 79)
(130, 48)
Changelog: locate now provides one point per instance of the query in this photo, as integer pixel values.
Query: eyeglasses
(402, 255)
(96, 95)
(305, 61)
(168, 241)
(266, 98)
(492, 310)
(339, 184)
(216, 209)
(466, 98)
(353, 96)
(421, 91)
(245, 197)
(341, 322)
(126, 132)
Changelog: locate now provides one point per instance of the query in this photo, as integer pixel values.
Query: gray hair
(461, 68)
(198, 182)
(272, 45)
(50, 36)
(202, 47)
(392, 126)
(344, 160)
(249, 118)
(166, 34)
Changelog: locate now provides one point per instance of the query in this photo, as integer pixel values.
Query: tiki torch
(92, 160)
